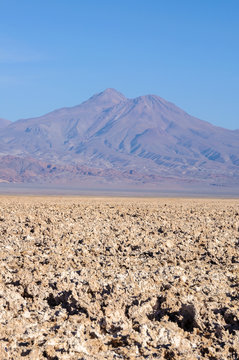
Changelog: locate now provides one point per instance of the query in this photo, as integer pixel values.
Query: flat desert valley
(119, 278)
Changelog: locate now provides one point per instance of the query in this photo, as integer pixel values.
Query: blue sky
(56, 53)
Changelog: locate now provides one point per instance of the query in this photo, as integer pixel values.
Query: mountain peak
(107, 98)
(112, 93)
(146, 138)
(151, 98)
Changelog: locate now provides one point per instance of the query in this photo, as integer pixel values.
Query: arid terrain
(119, 278)
(111, 139)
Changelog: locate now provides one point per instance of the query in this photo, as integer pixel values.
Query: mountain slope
(147, 136)
(51, 132)
(4, 123)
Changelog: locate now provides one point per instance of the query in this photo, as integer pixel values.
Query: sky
(57, 53)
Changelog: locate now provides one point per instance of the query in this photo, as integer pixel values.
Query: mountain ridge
(4, 123)
(146, 135)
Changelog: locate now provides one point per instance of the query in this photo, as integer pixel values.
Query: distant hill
(112, 138)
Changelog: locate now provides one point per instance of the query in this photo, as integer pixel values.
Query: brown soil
(110, 278)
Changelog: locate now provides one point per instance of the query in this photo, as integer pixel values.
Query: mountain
(4, 123)
(113, 138)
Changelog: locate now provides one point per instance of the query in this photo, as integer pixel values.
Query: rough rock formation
(107, 278)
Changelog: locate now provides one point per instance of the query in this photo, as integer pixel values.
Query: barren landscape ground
(119, 278)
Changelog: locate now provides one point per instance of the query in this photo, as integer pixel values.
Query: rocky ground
(108, 278)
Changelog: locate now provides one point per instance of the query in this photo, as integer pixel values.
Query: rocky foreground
(87, 278)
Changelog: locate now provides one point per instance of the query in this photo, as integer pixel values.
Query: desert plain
(119, 278)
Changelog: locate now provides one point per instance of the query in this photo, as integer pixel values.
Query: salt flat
(119, 278)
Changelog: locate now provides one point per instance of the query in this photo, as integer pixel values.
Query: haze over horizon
(56, 54)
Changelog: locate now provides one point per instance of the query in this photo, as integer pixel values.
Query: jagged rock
(107, 278)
